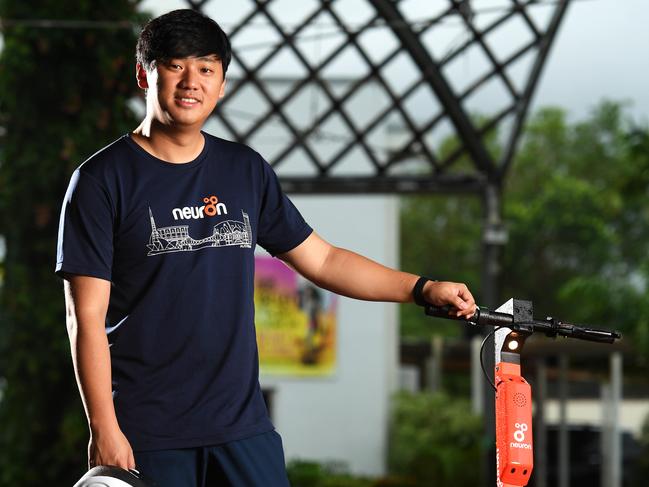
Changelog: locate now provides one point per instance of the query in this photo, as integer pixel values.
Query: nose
(189, 81)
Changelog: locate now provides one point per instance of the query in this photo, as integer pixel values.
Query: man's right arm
(86, 300)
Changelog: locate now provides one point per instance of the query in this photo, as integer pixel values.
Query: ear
(222, 90)
(140, 75)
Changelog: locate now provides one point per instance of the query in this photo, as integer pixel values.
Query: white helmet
(107, 476)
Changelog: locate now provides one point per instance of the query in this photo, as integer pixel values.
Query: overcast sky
(600, 52)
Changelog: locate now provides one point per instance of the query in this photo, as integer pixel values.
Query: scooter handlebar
(549, 326)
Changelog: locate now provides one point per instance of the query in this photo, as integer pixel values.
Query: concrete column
(434, 364)
(611, 434)
(564, 440)
(616, 437)
(477, 379)
(540, 431)
(605, 436)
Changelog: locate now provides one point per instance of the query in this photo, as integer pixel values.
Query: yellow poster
(295, 320)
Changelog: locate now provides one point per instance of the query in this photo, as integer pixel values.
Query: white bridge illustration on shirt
(177, 239)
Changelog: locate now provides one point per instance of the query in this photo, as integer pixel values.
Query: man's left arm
(349, 274)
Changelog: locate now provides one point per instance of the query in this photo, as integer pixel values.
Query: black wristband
(418, 291)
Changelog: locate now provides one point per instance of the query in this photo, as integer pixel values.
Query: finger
(469, 310)
(469, 301)
(459, 303)
(131, 461)
(465, 294)
(467, 313)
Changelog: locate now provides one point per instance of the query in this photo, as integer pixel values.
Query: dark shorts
(255, 461)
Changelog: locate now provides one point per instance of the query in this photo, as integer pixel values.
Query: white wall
(344, 418)
(590, 412)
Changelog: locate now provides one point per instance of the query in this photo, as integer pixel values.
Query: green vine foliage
(64, 94)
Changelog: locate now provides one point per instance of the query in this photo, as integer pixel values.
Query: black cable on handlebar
(484, 341)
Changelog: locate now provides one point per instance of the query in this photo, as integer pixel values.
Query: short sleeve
(281, 226)
(85, 242)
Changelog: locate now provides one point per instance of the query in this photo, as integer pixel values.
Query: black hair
(180, 34)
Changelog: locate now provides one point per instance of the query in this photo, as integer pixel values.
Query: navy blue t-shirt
(177, 242)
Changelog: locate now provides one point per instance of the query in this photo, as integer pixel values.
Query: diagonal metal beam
(431, 72)
(302, 83)
(444, 164)
(287, 39)
(396, 101)
(524, 103)
(196, 4)
(355, 86)
(479, 38)
(532, 26)
(323, 86)
(265, 93)
(493, 26)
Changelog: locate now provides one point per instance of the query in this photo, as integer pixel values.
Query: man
(156, 246)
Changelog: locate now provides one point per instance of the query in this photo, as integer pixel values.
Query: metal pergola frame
(486, 171)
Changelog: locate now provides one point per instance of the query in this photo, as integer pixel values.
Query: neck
(169, 143)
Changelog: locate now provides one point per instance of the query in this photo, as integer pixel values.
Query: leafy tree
(578, 229)
(433, 439)
(440, 238)
(64, 93)
(575, 208)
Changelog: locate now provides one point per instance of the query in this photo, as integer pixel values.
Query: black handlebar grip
(590, 334)
(482, 317)
(441, 312)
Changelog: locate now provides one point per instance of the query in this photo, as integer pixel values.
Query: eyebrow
(212, 58)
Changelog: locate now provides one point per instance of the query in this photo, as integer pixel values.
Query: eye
(207, 70)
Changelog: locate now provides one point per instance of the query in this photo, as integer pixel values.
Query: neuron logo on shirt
(176, 238)
(212, 207)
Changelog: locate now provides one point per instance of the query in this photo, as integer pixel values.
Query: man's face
(183, 92)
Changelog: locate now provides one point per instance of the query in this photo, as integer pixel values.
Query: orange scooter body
(514, 453)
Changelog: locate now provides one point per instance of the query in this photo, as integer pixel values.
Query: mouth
(187, 101)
